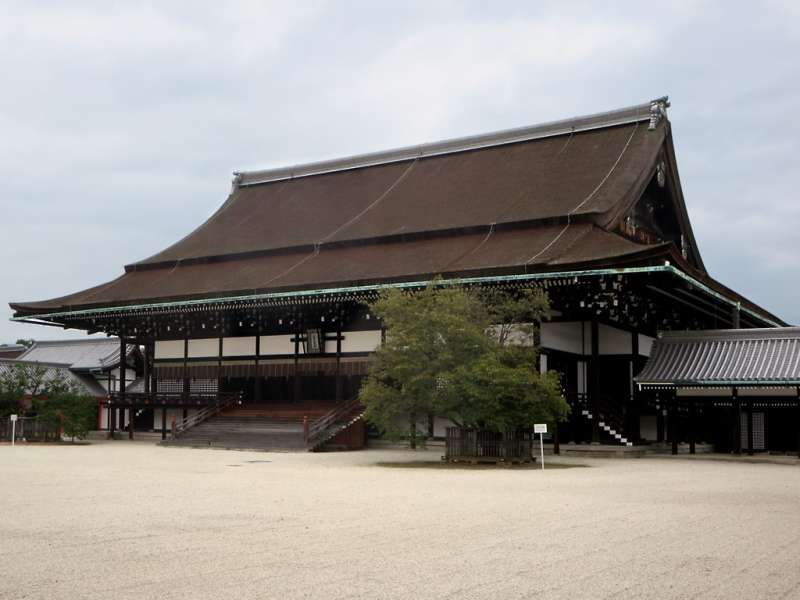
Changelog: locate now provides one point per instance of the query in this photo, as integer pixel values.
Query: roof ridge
(75, 341)
(730, 334)
(41, 363)
(652, 111)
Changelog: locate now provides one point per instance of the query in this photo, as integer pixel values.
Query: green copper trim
(667, 268)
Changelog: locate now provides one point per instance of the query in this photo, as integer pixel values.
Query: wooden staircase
(326, 428)
(271, 427)
(608, 421)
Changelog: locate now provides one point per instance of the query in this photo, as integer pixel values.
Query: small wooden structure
(485, 446)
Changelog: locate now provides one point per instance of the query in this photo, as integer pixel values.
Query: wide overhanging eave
(353, 293)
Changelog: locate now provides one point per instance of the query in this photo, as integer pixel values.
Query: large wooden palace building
(267, 298)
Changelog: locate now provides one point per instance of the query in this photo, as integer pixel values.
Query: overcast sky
(120, 125)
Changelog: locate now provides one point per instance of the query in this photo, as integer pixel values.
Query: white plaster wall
(204, 348)
(171, 412)
(130, 377)
(239, 346)
(169, 349)
(566, 337)
(614, 341)
(645, 344)
(361, 341)
(276, 344)
(330, 346)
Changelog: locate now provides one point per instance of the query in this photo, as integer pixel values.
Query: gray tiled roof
(81, 355)
(53, 371)
(746, 357)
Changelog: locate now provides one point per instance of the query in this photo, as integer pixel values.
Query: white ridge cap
(650, 111)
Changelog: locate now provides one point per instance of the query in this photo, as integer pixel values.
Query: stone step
(245, 432)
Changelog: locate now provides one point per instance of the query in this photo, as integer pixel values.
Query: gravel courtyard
(134, 520)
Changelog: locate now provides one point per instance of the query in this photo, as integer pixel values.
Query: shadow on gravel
(461, 466)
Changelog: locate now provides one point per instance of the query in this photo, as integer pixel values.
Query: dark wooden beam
(737, 425)
(123, 368)
(257, 387)
(594, 381)
(673, 422)
(798, 421)
(339, 382)
(750, 426)
(297, 389)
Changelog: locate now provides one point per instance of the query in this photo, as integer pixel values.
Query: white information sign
(13, 429)
(541, 429)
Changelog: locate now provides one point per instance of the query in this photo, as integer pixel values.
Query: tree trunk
(413, 431)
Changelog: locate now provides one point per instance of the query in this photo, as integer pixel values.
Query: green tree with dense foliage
(427, 333)
(17, 382)
(57, 401)
(469, 356)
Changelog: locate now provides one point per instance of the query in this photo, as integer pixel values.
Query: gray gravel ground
(134, 520)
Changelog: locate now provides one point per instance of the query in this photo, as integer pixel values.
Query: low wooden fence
(30, 429)
(481, 445)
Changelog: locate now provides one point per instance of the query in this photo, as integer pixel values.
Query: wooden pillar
(632, 414)
(737, 425)
(297, 388)
(259, 392)
(163, 422)
(556, 441)
(146, 369)
(339, 382)
(692, 426)
(186, 385)
(750, 426)
(123, 367)
(219, 366)
(797, 400)
(594, 382)
(673, 422)
(112, 421)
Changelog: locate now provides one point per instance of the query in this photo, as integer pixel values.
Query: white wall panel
(169, 349)
(276, 344)
(204, 348)
(614, 341)
(645, 344)
(567, 337)
(361, 341)
(239, 346)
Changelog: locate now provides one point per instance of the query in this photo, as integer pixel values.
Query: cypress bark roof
(543, 198)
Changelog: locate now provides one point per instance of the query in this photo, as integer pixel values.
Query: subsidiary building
(268, 298)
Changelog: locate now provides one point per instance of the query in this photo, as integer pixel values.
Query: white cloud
(121, 123)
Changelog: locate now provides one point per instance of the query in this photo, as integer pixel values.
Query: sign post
(13, 428)
(541, 429)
